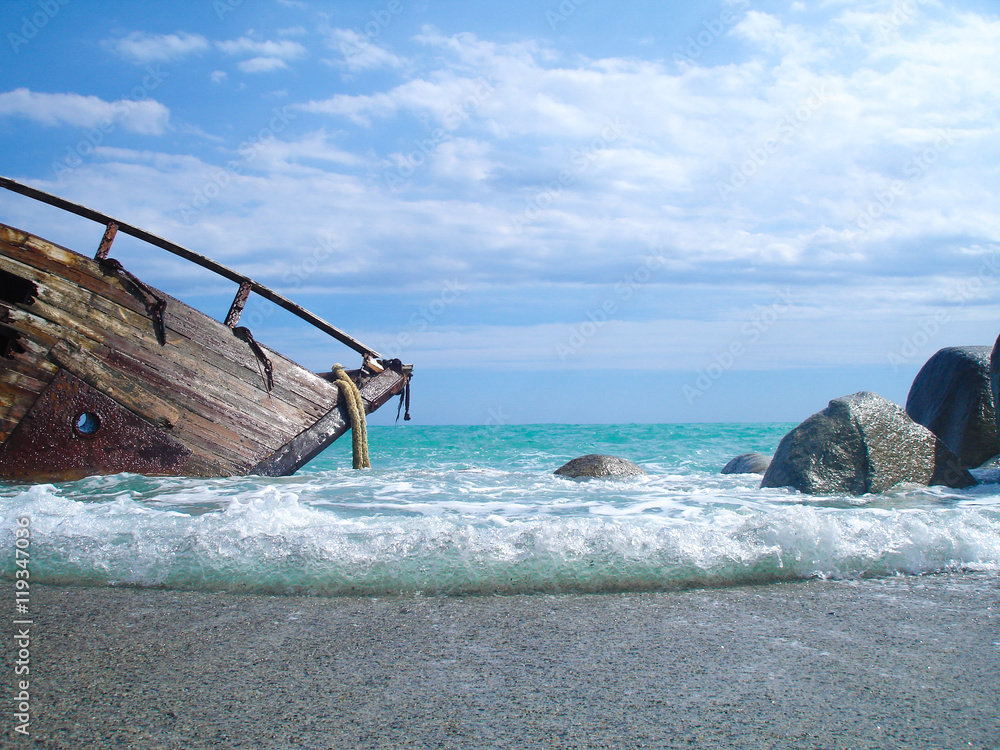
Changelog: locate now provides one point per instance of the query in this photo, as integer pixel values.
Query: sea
(477, 510)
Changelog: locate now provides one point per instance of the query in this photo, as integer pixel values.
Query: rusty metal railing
(247, 285)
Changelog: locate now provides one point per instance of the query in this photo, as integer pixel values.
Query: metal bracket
(109, 236)
(267, 372)
(236, 310)
(155, 305)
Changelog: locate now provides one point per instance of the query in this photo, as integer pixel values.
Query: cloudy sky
(575, 211)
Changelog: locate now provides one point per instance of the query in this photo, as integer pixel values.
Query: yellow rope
(356, 410)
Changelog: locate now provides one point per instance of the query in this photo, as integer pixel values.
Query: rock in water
(952, 397)
(594, 465)
(747, 463)
(862, 443)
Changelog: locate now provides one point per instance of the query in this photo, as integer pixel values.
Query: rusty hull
(73, 431)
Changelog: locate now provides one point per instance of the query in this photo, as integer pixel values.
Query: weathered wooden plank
(194, 386)
(18, 320)
(103, 322)
(23, 380)
(23, 376)
(22, 384)
(135, 396)
(29, 358)
(293, 383)
(35, 355)
(305, 446)
(69, 294)
(74, 268)
(198, 397)
(123, 378)
(149, 396)
(82, 272)
(14, 404)
(288, 374)
(232, 359)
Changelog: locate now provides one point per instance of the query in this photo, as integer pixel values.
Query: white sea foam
(487, 531)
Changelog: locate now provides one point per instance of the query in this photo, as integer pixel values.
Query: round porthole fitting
(87, 423)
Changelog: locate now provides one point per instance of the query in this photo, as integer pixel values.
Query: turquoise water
(477, 510)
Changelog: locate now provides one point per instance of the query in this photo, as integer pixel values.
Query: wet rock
(995, 376)
(594, 465)
(862, 443)
(953, 398)
(747, 463)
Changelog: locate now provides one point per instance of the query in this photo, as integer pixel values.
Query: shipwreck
(101, 373)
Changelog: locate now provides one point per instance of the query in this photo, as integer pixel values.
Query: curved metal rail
(247, 284)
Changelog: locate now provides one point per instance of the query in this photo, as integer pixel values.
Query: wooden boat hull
(100, 373)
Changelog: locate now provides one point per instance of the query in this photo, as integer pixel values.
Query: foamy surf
(461, 528)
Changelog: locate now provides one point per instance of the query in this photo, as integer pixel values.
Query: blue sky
(576, 211)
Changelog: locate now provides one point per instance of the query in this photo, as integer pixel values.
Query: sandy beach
(895, 663)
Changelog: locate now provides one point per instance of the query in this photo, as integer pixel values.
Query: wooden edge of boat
(101, 373)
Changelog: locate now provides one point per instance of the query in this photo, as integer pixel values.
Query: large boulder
(953, 398)
(594, 465)
(747, 463)
(859, 444)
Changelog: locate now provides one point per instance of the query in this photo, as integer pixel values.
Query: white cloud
(290, 155)
(263, 56)
(262, 64)
(142, 48)
(805, 142)
(357, 108)
(856, 168)
(766, 32)
(283, 50)
(789, 166)
(360, 53)
(463, 160)
(450, 99)
(148, 117)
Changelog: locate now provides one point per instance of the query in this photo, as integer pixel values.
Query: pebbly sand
(895, 663)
